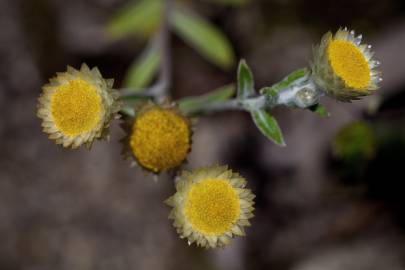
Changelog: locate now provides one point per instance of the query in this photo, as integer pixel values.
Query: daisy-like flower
(76, 107)
(344, 68)
(211, 206)
(158, 138)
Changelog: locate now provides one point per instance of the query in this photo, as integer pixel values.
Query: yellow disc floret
(76, 107)
(160, 138)
(349, 63)
(212, 206)
(344, 68)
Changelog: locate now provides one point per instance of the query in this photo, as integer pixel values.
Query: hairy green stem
(228, 105)
(302, 93)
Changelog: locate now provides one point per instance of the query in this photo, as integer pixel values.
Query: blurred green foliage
(142, 71)
(204, 37)
(141, 19)
(355, 142)
(230, 2)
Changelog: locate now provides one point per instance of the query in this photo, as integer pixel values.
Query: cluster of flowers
(211, 205)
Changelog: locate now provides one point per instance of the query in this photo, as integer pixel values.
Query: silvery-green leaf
(141, 72)
(139, 18)
(287, 81)
(246, 87)
(268, 125)
(203, 37)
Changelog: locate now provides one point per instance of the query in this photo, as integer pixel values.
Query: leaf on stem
(319, 110)
(286, 82)
(142, 71)
(204, 37)
(190, 104)
(246, 87)
(139, 18)
(268, 125)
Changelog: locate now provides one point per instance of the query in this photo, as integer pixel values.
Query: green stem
(229, 105)
(294, 92)
(160, 90)
(299, 93)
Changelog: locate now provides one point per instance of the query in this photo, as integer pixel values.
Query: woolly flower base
(76, 107)
(211, 206)
(344, 68)
(158, 138)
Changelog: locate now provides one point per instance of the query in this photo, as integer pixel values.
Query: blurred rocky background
(315, 210)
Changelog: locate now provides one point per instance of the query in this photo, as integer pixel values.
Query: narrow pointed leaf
(142, 71)
(286, 82)
(204, 37)
(268, 125)
(246, 87)
(140, 18)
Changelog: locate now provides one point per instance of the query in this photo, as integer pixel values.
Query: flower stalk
(299, 93)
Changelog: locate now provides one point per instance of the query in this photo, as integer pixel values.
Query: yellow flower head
(76, 107)
(211, 206)
(159, 138)
(344, 68)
